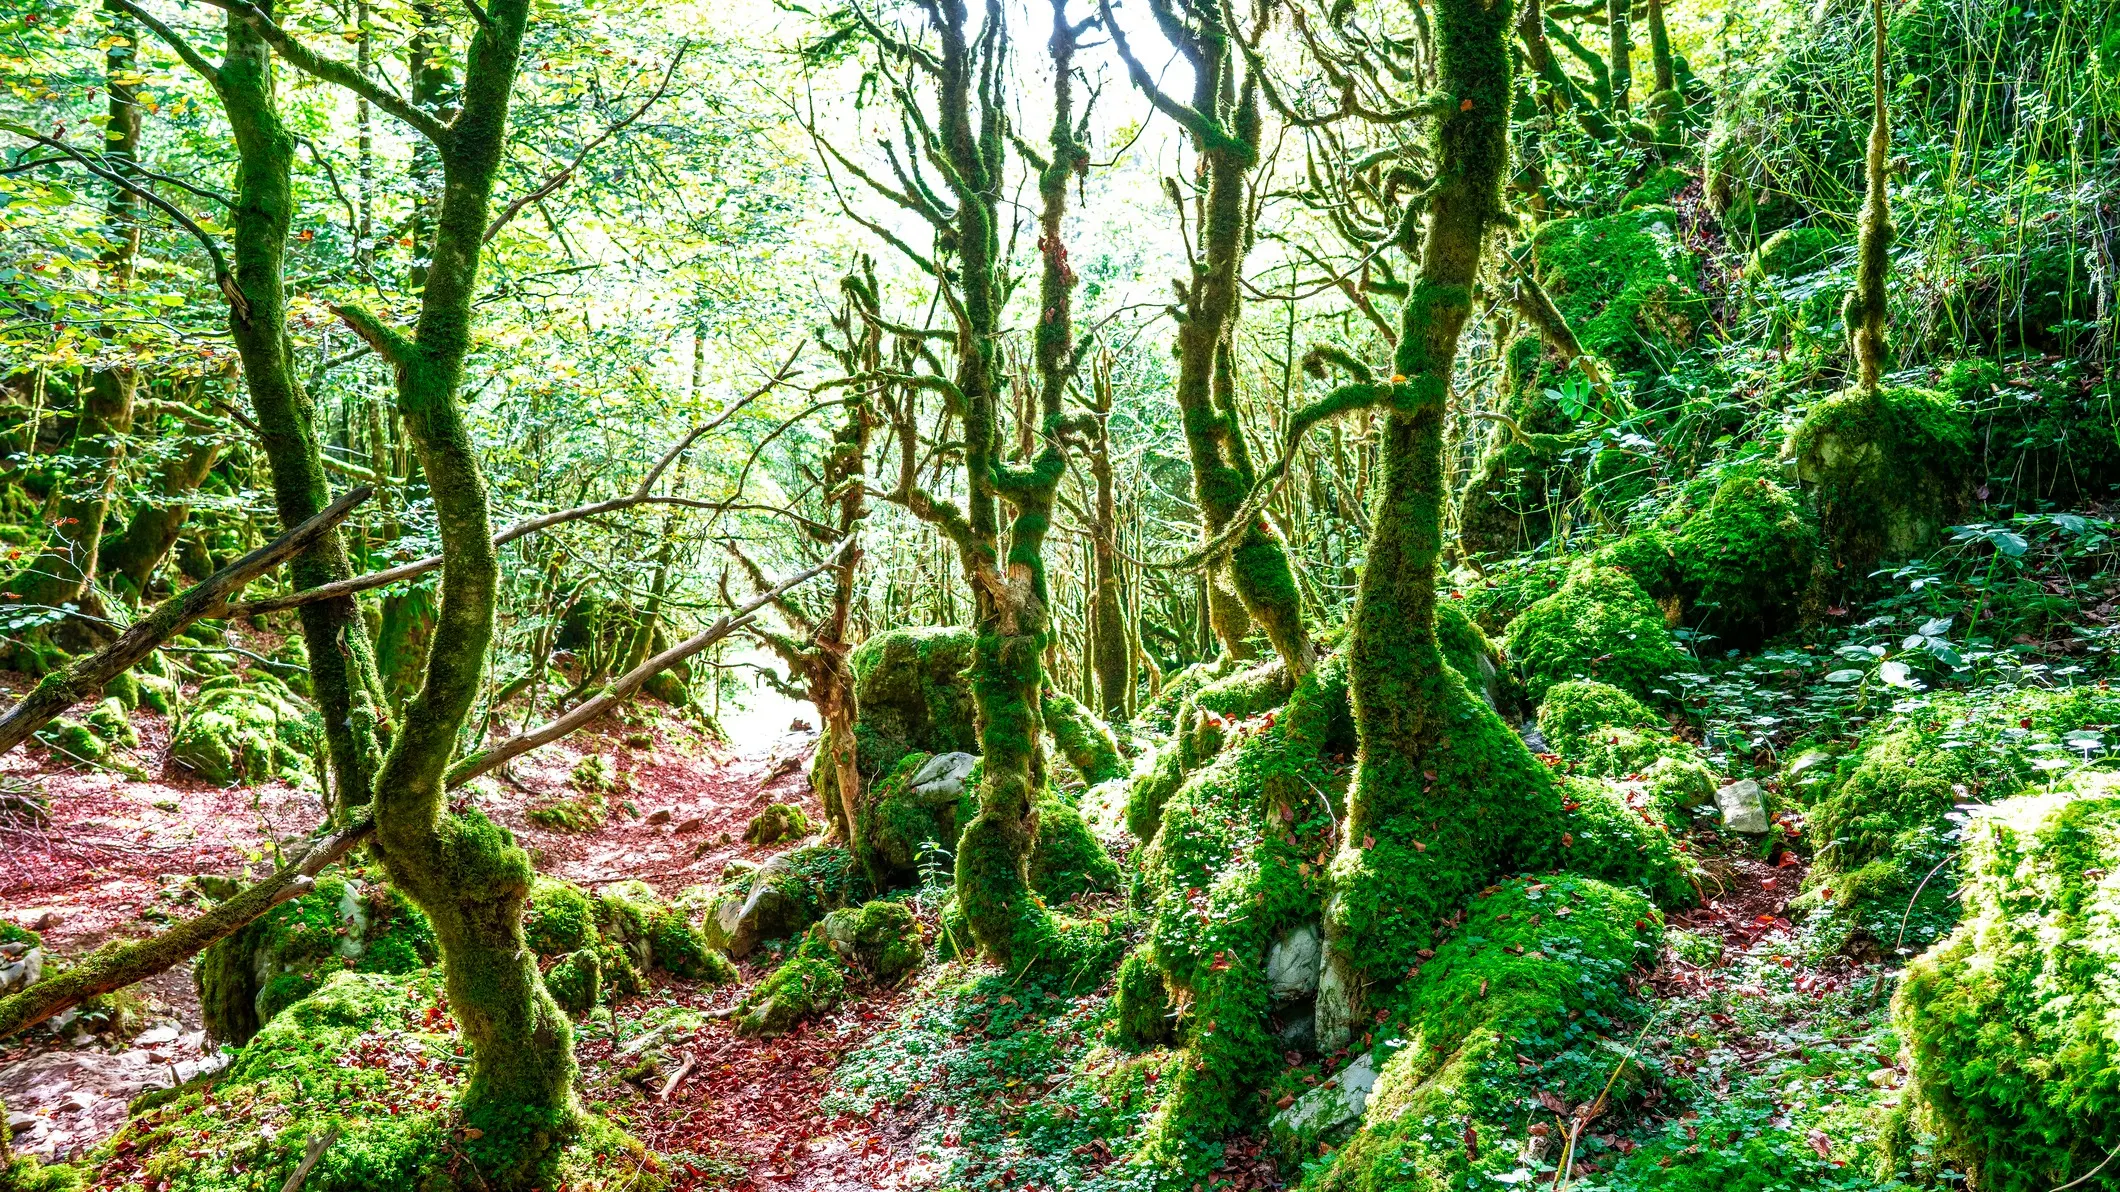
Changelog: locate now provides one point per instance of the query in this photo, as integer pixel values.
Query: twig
(683, 1070)
(318, 1144)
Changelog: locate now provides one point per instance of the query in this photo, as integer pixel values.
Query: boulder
(1293, 961)
(1744, 808)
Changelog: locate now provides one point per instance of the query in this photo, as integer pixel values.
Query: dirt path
(114, 858)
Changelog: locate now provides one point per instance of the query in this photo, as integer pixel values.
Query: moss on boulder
(576, 981)
(1598, 625)
(808, 983)
(343, 922)
(881, 939)
(1066, 860)
(1746, 558)
(778, 822)
(558, 917)
(2009, 1020)
(1627, 285)
(245, 729)
(1083, 738)
(1889, 470)
(1539, 969)
(906, 822)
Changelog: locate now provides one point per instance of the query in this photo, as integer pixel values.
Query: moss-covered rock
(1657, 189)
(881, 939)
(1598, 625)
(1066, 860)
(377, 1059)
(1746, 559)
(574, 814)
(2009, 1020)
(1574, 712)
(559, 917)
(1204, 723)
(1616, 833)
(575, 981)
(73, 741)
(1884, 827)
(1469, 651)
(911, 689)
(245, 729)
(908, 821)
(810, 982)
(1141, 1011)
(108, 721)
(1627, 285)
(1539, 970)
(1520, 481)
(778, 822)
(1889, 469)
(782, 897)
(342, 922)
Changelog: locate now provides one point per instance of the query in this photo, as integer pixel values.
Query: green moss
(1539, 969)
(1598, 625)
(2008, 1020)
(1889, 470)
(1574, 712)
(778, 822)
(1678, 787)
(558, 917)
(681, 950)
(882, 940)
(1066, 859)
(250, 730)
(1619, 835)
(1627, 285)
(1469, 652)
(1510, 587)
(575, 981)
(584, 812)
(73, 741)
(1509, 504)
(374, 1057)
(911, 689)
(901, 827)
(1658, 189)
(807, 983)
(125, 688)
(26, 1173)
(1203, 725)
(1141, 1013)
(1086, 741)
(1746, 559)
(1651, 558)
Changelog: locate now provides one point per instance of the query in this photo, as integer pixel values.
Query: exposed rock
(1292, 963)
(944, 775)
(770, 910)
(1332, 1109)
(1744, 807)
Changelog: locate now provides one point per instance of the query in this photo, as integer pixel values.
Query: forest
(1059, 595)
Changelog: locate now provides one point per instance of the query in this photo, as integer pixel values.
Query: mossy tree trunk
(342, 665)
(465, 872)
(1618, 14)
(1865, 309)
(137, 553)
(1110, 649)
(1009, 594)
(1223, 122)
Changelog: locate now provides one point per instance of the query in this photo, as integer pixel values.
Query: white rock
(1333, 1106)
(1292, 963)
(156, 1037)
(1744, 807)
(944, 775)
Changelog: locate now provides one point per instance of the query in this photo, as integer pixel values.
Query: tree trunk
(341, 662)
(137, 553)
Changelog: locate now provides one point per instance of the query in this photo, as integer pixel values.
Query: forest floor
(124, 841)
(117, 859)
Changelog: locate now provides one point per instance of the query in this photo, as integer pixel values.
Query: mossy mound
(782, 897)
(575, 814)
(877, 942)
(343, 922)
(1538, 970)
(1066, 860)
(1573, 712)
(1659, 187)
(1890, 470)
(778, 822)
(1598, 625)
(881, 939)
(1884, 823)
(1469, 651)
(1620, 834)
(1746, 558)
(2009, 1020)
(1203, 725)
(1628, 286)
(245, 729)
(1520, 480)
(913, 695)
(1509, 587)
(601, 945)
(73, 741)
(1651, 558)
(376, 1058)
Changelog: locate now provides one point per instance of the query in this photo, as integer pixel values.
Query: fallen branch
(318, 1144)
(118, 964)
(209, 598)
(630, 682)
(683, 1070)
